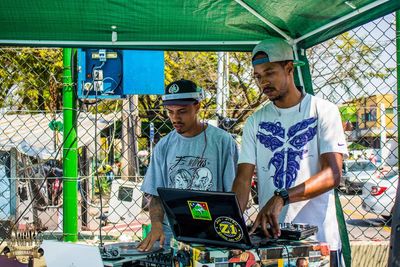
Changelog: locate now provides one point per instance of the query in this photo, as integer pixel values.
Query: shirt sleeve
(230, 164)
(154, 176)
(331, 133)
(248, 145)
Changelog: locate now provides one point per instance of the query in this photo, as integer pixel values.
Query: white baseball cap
(276, 49)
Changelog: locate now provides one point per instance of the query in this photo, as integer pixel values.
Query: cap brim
(296, 63)
(179, 102)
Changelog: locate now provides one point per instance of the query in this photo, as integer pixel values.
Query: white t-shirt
(285, 145)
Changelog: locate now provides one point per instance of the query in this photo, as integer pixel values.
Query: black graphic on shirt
(188, 172)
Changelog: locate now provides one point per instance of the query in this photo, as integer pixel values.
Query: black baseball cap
(182, 92)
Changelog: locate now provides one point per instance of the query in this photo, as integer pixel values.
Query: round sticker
(228, 229)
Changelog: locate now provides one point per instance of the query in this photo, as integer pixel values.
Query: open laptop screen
(212, 218)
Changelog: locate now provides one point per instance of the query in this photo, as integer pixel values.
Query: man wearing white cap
(297, 144)
(195, 156)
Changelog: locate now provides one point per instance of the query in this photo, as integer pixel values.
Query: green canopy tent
(198, 25)
(181, 25)
(202, 25)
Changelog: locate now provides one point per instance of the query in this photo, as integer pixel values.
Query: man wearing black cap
(297, 144)
(194, 156)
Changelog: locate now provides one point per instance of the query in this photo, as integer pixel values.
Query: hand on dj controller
(268, 216)
(153, 236)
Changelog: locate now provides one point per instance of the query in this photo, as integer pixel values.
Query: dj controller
(294, 247)
(293, 231)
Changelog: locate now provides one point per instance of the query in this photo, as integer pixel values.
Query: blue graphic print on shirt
(298, 136)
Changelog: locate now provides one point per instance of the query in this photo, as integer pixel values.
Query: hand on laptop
(155, 234)
(267, 218)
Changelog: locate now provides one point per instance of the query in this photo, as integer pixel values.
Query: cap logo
(173, 89)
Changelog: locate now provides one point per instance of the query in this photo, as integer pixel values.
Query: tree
(201, 67)
(344, 65)
(245, 96)
(31, 78)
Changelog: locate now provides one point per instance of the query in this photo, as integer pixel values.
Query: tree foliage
(31, 79)
(201, 67)
(345, 65)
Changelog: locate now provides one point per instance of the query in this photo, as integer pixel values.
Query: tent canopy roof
(181, 25)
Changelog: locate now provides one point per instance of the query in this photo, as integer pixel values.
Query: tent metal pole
(340, 20)
(270, 24)
(394, 253)
(305, 73)
(296, 57)
(62, 43)
(70, 154)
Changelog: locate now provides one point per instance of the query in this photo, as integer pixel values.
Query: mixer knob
(303, 225)
(115, 252)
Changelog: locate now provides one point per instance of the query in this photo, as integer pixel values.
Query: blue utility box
(112, 73)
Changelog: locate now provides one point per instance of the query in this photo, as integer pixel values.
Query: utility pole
(130, 131)
(383, 143)
(222, 84)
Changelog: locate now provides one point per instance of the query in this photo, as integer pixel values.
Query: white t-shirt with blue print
(285, 145)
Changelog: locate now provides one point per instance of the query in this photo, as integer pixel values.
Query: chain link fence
(355, 70)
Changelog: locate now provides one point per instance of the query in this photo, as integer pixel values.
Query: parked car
(379, 194)
(356, 173)
(387, 171)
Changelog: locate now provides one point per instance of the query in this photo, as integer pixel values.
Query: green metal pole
(394, 254)
(305, 72)
(70, 155)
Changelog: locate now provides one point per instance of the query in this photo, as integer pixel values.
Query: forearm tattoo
(156, 210)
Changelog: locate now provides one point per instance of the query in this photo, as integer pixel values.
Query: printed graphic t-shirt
(178, 162)
(203, 162)
(285, 145)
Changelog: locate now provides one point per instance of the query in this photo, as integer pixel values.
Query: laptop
(210, 218)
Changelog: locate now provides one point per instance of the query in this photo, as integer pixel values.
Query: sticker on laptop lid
(228, 229)
(199, 210)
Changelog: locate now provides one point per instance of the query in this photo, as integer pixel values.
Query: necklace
(302, 95)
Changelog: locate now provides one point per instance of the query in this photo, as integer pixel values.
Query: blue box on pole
(143, 72)
(113, 74)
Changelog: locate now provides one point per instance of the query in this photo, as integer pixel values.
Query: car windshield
(361, 166)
